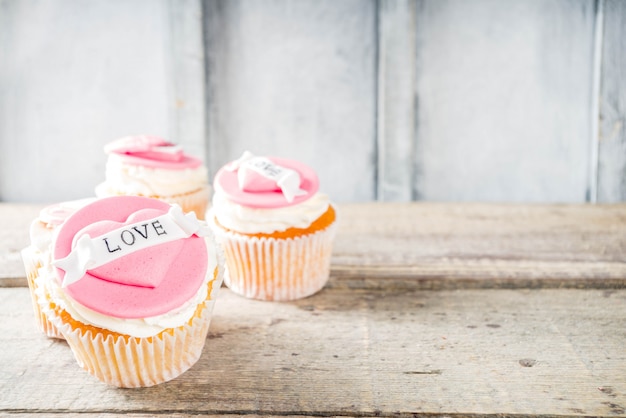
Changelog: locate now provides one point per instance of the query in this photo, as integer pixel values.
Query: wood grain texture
(297, 80)
(436, 245)
(357, 353)
(504, 100)
(76, 75)
(612, 145)
(440, 245)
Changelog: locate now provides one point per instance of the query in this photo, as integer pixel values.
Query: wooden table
(432, 309)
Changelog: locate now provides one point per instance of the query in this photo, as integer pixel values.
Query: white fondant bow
(89, 253)
(248, 166)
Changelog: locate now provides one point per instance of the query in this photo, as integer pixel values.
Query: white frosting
(130, 179)
(42, 228)
(41, 235)
(251, 169)
(266, 221)
(143, 327)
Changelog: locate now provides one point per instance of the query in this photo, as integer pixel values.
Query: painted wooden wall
(76, 74)
(612, 121)
(298, 79)
(400, 100)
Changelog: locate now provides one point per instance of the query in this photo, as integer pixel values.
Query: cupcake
(37, 255)
(277, 231)
(132, 287)
(152, 167)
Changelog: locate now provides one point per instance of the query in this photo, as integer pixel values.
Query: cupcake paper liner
(130, 362)
(33, 261)
(197, 201)
(276, 269)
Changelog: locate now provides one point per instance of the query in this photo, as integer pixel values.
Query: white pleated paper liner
(130, 362)
(34, 260)
(276, 269)
(197, 201)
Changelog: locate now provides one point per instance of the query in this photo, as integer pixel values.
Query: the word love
(266, 167)
(128, 237)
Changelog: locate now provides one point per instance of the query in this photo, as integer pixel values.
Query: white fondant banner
(89, 253)
(286, 179)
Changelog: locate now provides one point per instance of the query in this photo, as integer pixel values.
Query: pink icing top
(148, 282)
(151, 151)
(268, 182)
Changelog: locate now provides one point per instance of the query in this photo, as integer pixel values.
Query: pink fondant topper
(131, 257)
(271, 182)
(151, 151)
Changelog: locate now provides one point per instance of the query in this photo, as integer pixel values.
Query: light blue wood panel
(397, 100)
(612, 138)
(186, 63)
(504, 100)
(77, 74)
(295, 79)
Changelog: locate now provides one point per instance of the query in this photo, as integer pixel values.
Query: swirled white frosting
(266, 221)
(143, 327)
(131, 179)
(49, 218)
(40, 235)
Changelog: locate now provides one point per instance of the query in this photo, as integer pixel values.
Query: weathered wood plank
(481, 245)
(441, 245)
(612, 145)
(297, 80)
(504, 100)
(480, 352)
(76, 75)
